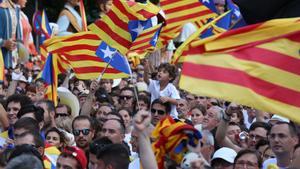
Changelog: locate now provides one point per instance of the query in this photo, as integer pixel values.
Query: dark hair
(261, 142)
(36, 110)
(98, 144)
(37, 138)
(31, 88)
(68, 155)
(61, 135)
(200, 107)
(238, 112)
(166, 104)
(171, 69)
(49, 103)
(83, 117)
(248, 151)
(18, 98)
(116, 155)
(291, 126)
(130, 113)
(145, 99)
(102, 96)
(28, 123)
(25, 149)
(257, 124)
(69, 110)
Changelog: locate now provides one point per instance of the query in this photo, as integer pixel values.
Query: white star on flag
(138, 29)
(205, 1)
(108, 53)
(237, 13)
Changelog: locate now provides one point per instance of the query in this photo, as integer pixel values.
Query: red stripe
(199, 15)
(270, 58)
(240, 78)
(85, 36)
(146, 14)
(140, 41)
(185, 7)
(124, 42)
(121, 8)
(82, 58)
(116, 20)
(145, 47)
(93, 69)
(167, 2)
(75, 47)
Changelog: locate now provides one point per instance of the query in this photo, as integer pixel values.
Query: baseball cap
(78, 154)
(226, 154)
(276, 117)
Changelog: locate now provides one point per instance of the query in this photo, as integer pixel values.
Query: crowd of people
(109, 124)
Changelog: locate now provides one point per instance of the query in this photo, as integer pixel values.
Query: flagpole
(103, 71)
(135, 90)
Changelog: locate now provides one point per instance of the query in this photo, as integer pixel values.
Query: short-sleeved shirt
(169, 91)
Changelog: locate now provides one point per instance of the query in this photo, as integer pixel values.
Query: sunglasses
(85, 132)
(125, 97)
(159, 112)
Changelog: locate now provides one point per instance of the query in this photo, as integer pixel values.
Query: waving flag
(237, 18)
(257, 65)
(1, 68)
(41, 26)
(179, 12)
(117, 27)
(113, 57)
(214, 27)
(79, 52)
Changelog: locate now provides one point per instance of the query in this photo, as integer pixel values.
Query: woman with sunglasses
(55, 137)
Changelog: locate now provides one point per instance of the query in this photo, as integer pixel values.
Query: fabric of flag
(79, 52)
(210, 4)
(179, 12)
(117, 29)
(216, 26)
(172, 138)
(50, 156)
(147, 39)
(3, 137)
(49, 75)
(41, 26)
(256, 65)
(237, 18)
(113, 57)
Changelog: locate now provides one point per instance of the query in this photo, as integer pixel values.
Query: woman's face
(22, 3)
(106, 7)
(197, 116)
(235, 118)
(53, 139)
(126, 117)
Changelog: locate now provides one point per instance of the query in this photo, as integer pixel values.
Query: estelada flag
(257, 65)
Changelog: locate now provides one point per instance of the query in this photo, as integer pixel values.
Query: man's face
(27, 139)
(256, 135)
(134, 141)
(158, 112)
(66, 163)
(12, 110)
(62, 111)
(83, 133)
(142, 105)
(281, 140)
(248, 160)
(232, 132)
(112, 130)
(126, 99)
(103, 112)
(182, 107)
(201, 100)
(95, 163)
(106, 84)
(211, 121)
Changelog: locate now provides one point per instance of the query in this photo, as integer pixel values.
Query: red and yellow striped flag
(113, 28)
(257, 65)
(179, 12)
(1, 67)
(79, 52)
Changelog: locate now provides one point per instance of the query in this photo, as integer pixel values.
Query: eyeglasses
(256, 137)
(83, 131)
(125, 97)
(159, 112)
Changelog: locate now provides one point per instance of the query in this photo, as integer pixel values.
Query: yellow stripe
(151, 8)
(239, 95)
(177, 23)
(89, 76)
(86, 63)
(193, 10)
(283, 46)
(110, 41)
(179, 4)
(119, 13)
(254, 69)
(60, 45)
(115, 28)
(82, 52)
(282, 28)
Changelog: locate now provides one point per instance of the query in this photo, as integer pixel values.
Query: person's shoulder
(4, 5)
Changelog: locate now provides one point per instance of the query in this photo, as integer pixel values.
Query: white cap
(276, 117)
(226, 154)
(23, 79)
